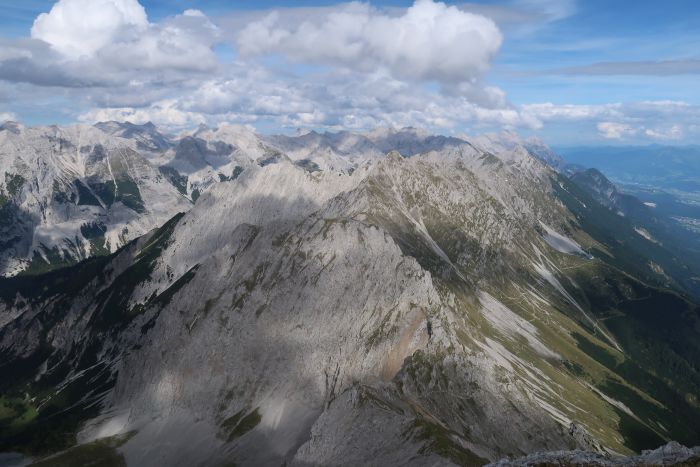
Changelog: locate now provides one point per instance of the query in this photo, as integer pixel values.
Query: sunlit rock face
(452, 307)
(75, 192)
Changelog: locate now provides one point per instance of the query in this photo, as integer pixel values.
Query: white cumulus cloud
(614, 130)
(7, 116)
(78, 28)
(164, 113)
(428, 41)
(100, 41)
(182, 42)
(675, 132)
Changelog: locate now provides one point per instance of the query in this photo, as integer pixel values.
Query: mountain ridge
(453, 307)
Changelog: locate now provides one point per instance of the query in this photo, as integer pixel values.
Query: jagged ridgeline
(326, 303)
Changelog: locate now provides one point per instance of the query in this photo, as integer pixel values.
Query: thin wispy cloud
(653, 68)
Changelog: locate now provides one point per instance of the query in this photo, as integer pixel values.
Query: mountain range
(383, 298)
(70, 193)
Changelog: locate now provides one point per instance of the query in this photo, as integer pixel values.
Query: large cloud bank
(429, 41)
(350, 65)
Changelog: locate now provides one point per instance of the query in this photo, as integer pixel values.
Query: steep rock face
(541, 151)
(336, 152)
(448, 308)
(510, 141)
(604, 190)
(209, 156)
(410, 141)
(70, 193)
(147, 136)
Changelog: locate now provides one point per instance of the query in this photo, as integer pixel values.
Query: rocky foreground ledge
(671, 454)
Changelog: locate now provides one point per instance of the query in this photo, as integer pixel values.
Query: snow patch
(645, 233)
(562, 243)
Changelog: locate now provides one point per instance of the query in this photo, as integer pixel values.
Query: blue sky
(603, 32)
(573, 72)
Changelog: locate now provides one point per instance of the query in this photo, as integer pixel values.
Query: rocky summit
(383, 298)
